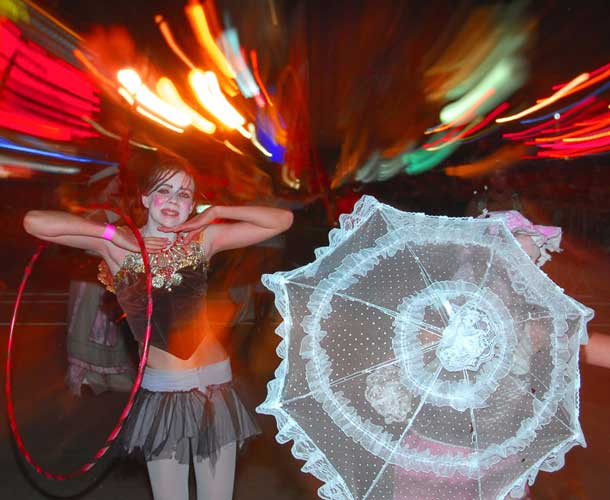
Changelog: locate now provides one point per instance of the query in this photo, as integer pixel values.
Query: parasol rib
(475, 438)
(346, 378)
(422, 402)
(423, 325)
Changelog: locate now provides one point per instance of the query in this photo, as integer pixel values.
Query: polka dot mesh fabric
(425, 357)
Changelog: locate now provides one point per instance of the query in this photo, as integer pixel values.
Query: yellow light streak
(257, 144)
(168, 91)
(132, 82)
(549, 100)
(208, 93)
(170, 40)
(201, 28)
(155, 118)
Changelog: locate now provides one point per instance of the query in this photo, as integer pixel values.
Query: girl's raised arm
(75, 231)
(245, 226)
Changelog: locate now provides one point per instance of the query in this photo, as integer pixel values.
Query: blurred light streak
(33, 165)
(15, 173)
(289, 178)
(574, 153)
(490, 40)
(244, 132)
(157, 119)
(102, 174)
(229, 41)
(168, 91)
(367, 171)
(211, 16)
(233, 148)
(446, 138)
(126, 95)
(505, 47)
(15, 10)
(269, 135)
(500, 159)
(590, 81)
(524, 134)
(208, 93)
(43, 95)
(594, 120)
(53, 20)
(450, 140)
(573, 133)
(593, 73)
(421, 160)
(473, 30)
(464, 110)
(6, 144)
(30, 124)
(490, 117)
(112, 135)
(257, 76)
(150, 104)
(481, 135)
(547, 101)
(504, 79)
(254, 140)
(43, 92)
(171, 42)
(273, 12)
(201, 28)
(17, 101)
(588, 137)
(84, 60)
(48, 74)
(598, 91)
(597, 143)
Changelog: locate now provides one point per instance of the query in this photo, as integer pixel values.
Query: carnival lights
(150, 104)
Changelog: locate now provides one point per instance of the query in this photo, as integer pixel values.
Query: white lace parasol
(425, 357)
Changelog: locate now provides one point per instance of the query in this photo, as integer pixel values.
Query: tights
(169, 478)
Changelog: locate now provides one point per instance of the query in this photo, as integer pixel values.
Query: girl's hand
(125, 239)
(192, 227)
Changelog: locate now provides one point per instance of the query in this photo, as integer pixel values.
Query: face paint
(171, 202)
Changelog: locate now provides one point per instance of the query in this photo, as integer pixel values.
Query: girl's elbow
(287, 220)
(33, 222)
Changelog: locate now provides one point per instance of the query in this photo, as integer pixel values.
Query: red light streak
(257, 76)
(542, 103)
(591, 73)
(542, 126)
(30, 124)
(486, 120)
(171, 41)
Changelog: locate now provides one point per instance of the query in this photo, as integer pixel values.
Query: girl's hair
(147, 170)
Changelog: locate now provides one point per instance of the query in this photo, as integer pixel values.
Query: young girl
(187, 406)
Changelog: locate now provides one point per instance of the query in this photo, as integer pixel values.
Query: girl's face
(171, 201)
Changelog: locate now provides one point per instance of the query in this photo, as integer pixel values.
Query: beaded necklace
(164, 266)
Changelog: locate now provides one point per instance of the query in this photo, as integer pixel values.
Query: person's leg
(216, 483)
(168, 479)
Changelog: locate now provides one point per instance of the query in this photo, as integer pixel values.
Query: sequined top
(179, 279)
(164, 266)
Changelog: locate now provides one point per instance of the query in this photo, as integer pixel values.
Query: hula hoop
(8, 382)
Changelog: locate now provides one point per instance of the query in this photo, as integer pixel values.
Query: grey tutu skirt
(176, 423)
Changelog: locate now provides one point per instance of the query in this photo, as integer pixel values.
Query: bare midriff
(209, 351)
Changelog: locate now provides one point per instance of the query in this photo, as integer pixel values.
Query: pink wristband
(109, 232)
